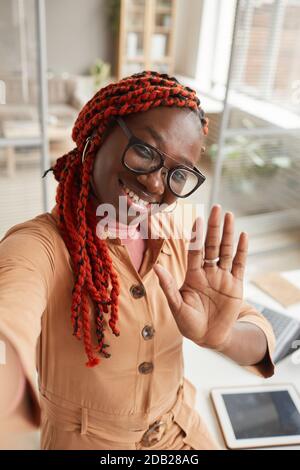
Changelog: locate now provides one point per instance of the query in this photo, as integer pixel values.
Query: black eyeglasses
(142, 158)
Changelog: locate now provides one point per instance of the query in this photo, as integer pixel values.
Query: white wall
(187, 36)
(77, 33)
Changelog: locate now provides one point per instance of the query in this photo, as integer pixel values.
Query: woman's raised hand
(208, 303)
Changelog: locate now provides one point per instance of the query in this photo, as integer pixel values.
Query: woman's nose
(154, 182)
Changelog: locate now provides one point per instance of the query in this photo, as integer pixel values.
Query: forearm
(12, 380)
(247, 344)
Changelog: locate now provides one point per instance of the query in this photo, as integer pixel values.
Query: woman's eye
(180, 176)
(144, 152)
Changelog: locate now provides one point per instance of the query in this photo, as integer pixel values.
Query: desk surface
(207, 369)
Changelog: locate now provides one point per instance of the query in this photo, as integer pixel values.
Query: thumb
(168, 285)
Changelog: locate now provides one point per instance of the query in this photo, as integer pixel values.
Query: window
(249, 61)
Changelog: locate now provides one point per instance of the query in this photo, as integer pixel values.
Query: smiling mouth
(136, 198)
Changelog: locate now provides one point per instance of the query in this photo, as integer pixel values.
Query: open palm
(208, 303)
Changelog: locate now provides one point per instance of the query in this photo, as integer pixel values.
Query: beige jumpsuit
(136, 399)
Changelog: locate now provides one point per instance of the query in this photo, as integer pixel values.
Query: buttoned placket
(146, 364)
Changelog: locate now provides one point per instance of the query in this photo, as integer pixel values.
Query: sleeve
(265, 368)
(26, 279)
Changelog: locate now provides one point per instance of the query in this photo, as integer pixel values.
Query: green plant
(245, 159)
(100, 70)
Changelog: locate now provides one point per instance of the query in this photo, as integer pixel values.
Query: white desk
(207, 369)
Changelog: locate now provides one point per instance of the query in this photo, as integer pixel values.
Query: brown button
(148, 332)
(154, 433)
(146, 368)
(137, 291)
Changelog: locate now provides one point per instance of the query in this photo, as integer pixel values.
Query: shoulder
(34, 240)
(43, 226)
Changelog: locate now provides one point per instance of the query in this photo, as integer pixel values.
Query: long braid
(94, 274)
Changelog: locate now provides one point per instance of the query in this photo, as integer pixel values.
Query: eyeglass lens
(143, 159)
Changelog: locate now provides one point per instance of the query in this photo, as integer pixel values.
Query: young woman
(128, 300)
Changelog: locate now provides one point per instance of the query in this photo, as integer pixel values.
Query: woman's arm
(247, 344)
(16, 408)
(26, 281)
(12, 379)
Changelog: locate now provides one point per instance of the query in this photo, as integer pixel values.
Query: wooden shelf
(163, 10)
(136, 9)
(135, 29)
(138, 51)
(162, 30)
(132, 60)
(163, 60)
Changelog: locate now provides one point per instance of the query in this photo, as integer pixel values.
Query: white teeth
(135, 197)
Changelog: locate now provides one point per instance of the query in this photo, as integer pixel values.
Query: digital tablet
(258, 416)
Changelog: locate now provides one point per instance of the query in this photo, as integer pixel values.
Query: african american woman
(101, 318)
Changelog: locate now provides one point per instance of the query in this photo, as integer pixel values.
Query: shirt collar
(156, 236)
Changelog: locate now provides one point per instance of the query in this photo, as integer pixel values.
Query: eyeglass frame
(133, 140)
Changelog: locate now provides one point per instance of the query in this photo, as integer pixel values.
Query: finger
(168, 285)
(226, 247)
(239, 261)
(212, 240)
(195, 250)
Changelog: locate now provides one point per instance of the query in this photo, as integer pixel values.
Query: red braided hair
(95, 276)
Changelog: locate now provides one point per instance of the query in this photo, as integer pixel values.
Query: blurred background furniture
(63, 104)
(58, 133)
(146, 36)
(18, 120)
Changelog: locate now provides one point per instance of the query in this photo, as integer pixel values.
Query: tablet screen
(262, 414)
